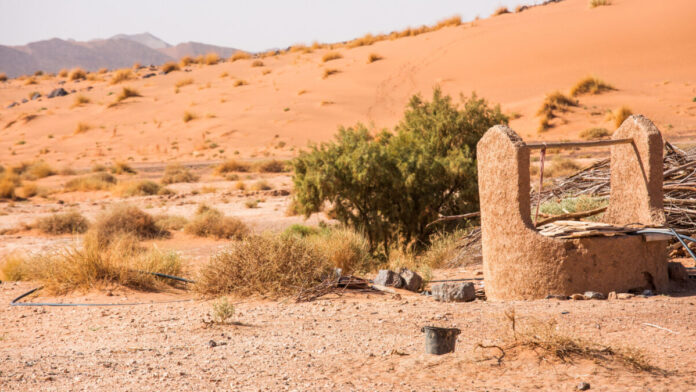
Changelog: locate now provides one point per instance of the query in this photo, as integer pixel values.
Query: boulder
(13, 104)
(594, 295)
(557, 296)
(612, 295)
(677, 272)
(577, 297)
(624, 295)
(454, 292)
(389, 278)
(412, 281)
(59, 92)
(35, 96)
(151, 74)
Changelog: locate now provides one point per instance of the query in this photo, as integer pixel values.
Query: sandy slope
(644, 48)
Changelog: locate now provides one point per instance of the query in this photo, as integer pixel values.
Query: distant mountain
(116, 52)
(195, 49)
(146, 39)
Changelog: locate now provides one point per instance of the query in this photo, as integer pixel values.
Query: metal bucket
(440, 341)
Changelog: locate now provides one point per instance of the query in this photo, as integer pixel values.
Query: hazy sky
(251, 25)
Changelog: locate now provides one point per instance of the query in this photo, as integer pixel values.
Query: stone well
(520, 263)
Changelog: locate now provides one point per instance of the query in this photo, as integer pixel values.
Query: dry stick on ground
(572, 215)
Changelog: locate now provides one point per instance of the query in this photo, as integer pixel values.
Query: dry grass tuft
(545, 340)
(272, 166)
(184, 82)
(232, 166)
(126, 220)
(211, 58)
(590, 85)
(210, 222)
(186, 60)
(122, 75)
(501, 11)
(81, 100)
(9, 182)
(189, 116)
(137, 188)
(553, 103)
(170, 67)
(267, 265)
(3, 77)
(261, 185)
(77, 74)
(451, 21)
(30, 81)
(595, 134)
(34, 170)
(63, 223)
(82, 128)
(240, 82)
(126, 93)
(95, 265)
(599, 3)
(619, 115)
(94, 182)
(175, 172)
(344, 249)
(170, 222)
(331, 56)
(240, 56)
(329, 72)
(122, 168)
(257, 63)
(373, 57)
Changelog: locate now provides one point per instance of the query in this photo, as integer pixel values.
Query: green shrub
(390, 186)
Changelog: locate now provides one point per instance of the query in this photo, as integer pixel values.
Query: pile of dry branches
(679, 186)
(679, 192)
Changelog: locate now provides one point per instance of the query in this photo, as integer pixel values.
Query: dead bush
(331, 56)
(232, 166)
(77, 74)
(128, 220)
(63, 223)
(210, 222)
(126, 93)
(547, 342)
(263, 265)
(175, 172)
(137, 188)
(122, 168)
(272, 166)
(345, 249)
(170, 222)
(95, 182)
(93, 265)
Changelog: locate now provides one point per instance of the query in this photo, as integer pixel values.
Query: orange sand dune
(646, 49)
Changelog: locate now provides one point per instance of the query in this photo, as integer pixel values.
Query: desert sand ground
(358, 341)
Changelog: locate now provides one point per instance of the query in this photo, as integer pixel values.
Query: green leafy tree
(392, 184)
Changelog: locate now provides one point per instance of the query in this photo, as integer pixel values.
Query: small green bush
(389, 186)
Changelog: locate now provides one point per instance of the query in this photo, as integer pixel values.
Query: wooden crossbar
(596, 143)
